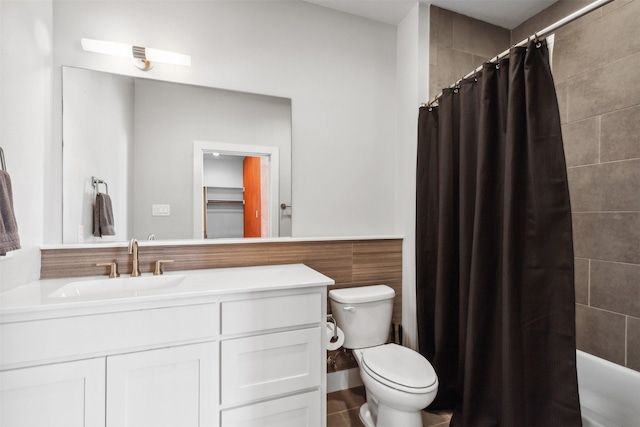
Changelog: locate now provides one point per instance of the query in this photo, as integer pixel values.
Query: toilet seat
(400, 368)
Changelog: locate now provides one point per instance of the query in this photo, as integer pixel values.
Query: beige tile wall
(596, 67)
(458, 44)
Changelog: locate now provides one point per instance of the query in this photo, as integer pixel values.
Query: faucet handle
(114, 268)
(158, 270)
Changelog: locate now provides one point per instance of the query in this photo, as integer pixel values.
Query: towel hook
(2, 162)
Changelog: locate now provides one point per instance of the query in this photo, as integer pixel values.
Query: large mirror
(162, 151)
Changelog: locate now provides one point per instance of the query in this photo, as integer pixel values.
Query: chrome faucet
(133, 249)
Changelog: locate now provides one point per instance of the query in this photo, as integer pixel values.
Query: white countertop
(34, 300)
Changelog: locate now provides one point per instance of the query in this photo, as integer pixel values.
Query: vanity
(218, 347)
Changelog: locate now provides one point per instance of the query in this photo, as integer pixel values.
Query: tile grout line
(606, 113)
(345, 416)
(626, 338)
(603, 212)
(589, 284)
(602, 163)
(342, 410)
(600, 139)
(634, 264)
(603, 309)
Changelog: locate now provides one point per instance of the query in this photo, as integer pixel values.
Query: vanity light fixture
(143, 57)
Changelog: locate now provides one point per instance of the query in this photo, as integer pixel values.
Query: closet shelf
(226, 202)
(217, 187)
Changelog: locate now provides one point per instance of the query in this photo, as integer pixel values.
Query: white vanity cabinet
(208, 356)
(163, 387)
(128, 368)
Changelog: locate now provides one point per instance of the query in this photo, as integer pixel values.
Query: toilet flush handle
(349, 308)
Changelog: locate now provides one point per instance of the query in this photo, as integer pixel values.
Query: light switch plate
(160, 210)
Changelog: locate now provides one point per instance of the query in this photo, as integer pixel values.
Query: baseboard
(342, 380)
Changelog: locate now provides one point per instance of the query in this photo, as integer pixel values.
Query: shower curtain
(494, 250)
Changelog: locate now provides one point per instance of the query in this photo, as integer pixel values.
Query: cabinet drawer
(302, 410)
(52, 340)
(261, 314)
(269, 365)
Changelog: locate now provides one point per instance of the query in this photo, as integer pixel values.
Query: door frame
(200, 148)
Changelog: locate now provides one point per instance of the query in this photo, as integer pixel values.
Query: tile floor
(343, 408)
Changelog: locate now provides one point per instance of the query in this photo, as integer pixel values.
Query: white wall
(25, 127)
(98, 141)
(413, 83)
(224, 171)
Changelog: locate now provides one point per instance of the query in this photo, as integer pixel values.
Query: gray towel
(103, 216)
(9, 238)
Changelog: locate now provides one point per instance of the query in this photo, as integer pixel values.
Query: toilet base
(365, 416)
(390, 418)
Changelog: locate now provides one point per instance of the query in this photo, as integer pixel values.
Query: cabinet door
(173, 386)
(64, 394)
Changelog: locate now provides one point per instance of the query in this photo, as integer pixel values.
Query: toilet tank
(363, 313)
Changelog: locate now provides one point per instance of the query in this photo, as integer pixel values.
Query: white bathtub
(609, 393)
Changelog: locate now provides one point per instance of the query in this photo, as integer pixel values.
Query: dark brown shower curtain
(494, 250)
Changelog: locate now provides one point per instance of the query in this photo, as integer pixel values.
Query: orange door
(252, 199)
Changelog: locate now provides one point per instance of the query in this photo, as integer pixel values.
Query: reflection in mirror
(138, 136)
(239, 190)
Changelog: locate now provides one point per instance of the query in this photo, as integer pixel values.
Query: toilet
(399, 382)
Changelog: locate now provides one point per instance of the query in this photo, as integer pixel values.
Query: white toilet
(399, 381)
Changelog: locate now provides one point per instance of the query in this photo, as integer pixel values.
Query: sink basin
(118, 287)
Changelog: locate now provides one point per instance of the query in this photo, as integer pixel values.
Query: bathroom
(355, 85)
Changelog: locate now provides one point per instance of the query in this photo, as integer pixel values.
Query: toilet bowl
(399, 382)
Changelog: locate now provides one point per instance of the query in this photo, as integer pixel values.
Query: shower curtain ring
(535, 39)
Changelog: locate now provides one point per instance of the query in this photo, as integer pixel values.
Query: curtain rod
(538, 34)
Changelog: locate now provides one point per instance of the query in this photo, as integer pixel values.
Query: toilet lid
(399, 367)
(362, 294)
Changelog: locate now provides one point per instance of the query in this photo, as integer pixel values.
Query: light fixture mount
(140, 58)
(143, 57)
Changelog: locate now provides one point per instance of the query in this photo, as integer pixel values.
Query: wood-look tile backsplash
(349, 262)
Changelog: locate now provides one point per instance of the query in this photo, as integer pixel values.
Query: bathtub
(609, 393)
